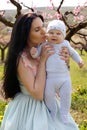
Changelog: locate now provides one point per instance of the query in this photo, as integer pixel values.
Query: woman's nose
(43, 30)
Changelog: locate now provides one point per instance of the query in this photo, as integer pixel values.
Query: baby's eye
(51, 33)
(58, 33)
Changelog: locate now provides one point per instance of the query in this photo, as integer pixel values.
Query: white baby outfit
(58, 81)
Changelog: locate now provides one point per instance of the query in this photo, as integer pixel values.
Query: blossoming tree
(75, 20)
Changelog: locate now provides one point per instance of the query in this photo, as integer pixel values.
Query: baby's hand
(81, 64)
(34, 52)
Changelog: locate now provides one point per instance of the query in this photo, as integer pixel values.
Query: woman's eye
(37, 29)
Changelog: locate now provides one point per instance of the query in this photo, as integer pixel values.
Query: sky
(40, 3)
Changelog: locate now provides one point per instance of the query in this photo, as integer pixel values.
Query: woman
(24, 79)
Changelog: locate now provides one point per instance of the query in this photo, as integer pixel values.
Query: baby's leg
(50, 97)
(65, 100)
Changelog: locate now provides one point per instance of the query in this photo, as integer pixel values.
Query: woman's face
(37, 33)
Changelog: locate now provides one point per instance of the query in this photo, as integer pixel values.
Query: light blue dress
(26, 113)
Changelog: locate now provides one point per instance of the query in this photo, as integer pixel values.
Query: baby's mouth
(54, 39)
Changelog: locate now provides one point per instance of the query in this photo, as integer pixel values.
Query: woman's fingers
(64, 53)
(47, 50)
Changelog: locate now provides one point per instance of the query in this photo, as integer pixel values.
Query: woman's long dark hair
(18, 42)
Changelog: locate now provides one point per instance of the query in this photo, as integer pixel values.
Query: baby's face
(55, 36)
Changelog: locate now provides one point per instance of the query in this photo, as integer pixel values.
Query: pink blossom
(8, 2)
(44, 14)
(81, 17)
(85, 4)
(50, 16)
(2, 12)
(57, 15)
(77, 10)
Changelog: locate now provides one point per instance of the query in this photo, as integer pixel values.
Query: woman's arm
(35, 84)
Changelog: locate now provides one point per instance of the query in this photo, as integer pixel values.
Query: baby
(58, 76)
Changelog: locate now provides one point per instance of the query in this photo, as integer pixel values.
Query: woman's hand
(64, 53)
(47, 50)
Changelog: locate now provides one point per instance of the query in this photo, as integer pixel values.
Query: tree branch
(6, 22)
(74, 30)
(19, 7)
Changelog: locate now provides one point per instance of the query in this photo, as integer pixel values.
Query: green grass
(79, 75)
(1, 71)
(79, 92)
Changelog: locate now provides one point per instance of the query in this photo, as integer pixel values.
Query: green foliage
(1, 71)
(79, 103)
(79, 92)
(2, 109)
(83, 125)
(79, 100)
